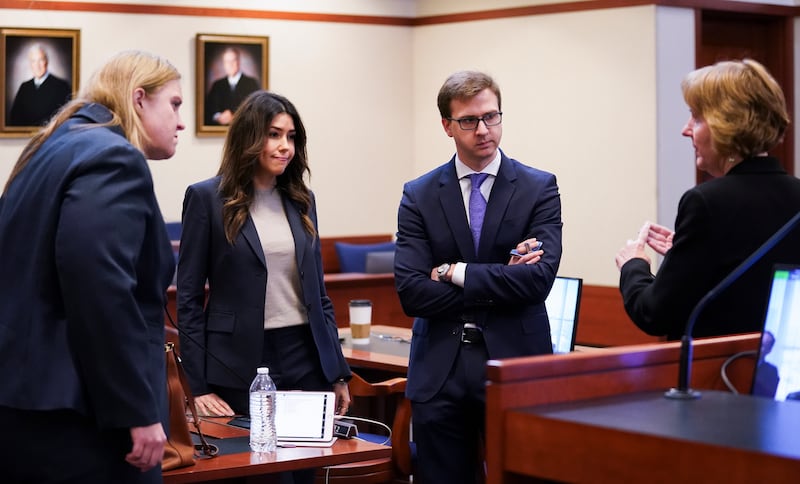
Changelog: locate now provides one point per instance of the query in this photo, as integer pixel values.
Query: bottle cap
(262, 370)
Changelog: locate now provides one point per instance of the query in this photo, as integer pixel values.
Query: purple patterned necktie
(477, 206)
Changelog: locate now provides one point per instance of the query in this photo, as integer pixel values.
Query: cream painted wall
(351, 84)
(591, 96)
(579, 100)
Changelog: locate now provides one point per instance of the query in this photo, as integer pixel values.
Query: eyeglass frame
(478, 120)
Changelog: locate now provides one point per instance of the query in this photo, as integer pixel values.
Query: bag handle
(208, 450)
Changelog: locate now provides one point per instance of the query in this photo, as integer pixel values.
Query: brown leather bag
(180, 451)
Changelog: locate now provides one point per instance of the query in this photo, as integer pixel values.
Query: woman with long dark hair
(250, 234)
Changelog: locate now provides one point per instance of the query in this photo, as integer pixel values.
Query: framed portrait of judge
(39, 73)
(229, 68)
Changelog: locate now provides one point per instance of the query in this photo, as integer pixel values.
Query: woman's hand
(659, 238)
(634, 249)
(148, 446)
(211, 405)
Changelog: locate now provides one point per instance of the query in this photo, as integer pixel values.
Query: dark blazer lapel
(298, 230)
(251, 236)
(452, 202)
(499, 199)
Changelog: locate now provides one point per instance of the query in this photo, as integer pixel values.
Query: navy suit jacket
(232, 324)
(85, 262)
(508, 301)
(34, 106)
(718, 225)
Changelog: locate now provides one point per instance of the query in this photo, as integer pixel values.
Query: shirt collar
(492, 168)
(40, 80)
(234, 79)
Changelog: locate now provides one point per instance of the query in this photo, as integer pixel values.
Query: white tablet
(305, 417)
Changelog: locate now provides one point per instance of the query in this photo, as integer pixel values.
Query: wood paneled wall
(602, 320)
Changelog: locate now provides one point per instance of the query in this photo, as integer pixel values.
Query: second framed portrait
(229, 68)
(39, 73)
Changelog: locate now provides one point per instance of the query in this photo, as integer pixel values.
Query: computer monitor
(563, 304)
(777, 373)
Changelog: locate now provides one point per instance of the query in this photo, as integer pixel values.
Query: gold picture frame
(24, 105)
(216, 99)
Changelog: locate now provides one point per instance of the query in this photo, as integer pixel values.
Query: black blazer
(718, 225)
(220, 97)
(507, 300)
(34, 106)
(231, 325)
(85, 262)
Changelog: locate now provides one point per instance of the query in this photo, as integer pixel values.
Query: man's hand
(527, 254)
(225, 117)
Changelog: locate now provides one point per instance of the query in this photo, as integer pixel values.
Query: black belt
(471, 335)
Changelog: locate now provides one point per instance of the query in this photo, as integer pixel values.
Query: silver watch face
(443, 269)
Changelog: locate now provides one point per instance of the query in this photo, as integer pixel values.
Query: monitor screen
(777, 373)
(562, 305)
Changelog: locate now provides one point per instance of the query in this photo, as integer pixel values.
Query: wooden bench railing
(330, 260)
(602, 318)
(517, 383)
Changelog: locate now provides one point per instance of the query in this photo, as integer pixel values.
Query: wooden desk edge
(528, 381)
(342, 452)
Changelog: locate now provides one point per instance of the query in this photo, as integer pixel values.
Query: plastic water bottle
(263, 437)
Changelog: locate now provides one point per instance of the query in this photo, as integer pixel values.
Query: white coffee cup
(360, 320)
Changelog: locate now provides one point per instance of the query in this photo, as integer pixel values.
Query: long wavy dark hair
(240, 158)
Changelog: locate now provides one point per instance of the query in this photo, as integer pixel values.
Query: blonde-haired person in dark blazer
(251, 232)
(738, 113)
(85, 262)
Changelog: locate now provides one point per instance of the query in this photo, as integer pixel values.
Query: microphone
(683, 391)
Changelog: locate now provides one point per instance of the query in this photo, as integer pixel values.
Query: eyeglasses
(470, 123)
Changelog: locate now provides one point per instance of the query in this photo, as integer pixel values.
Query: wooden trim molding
(129, 8)
(579, 6)
(564, 7)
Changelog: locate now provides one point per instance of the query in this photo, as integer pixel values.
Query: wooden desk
(387, 350)
(389, 347)
(540, 413)
(249, 464)
(645, 437)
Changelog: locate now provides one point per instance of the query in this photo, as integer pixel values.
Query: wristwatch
(442, 271)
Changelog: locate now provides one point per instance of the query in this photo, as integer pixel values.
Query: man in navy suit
(227, 93)
(40, 97)
(471, 299)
